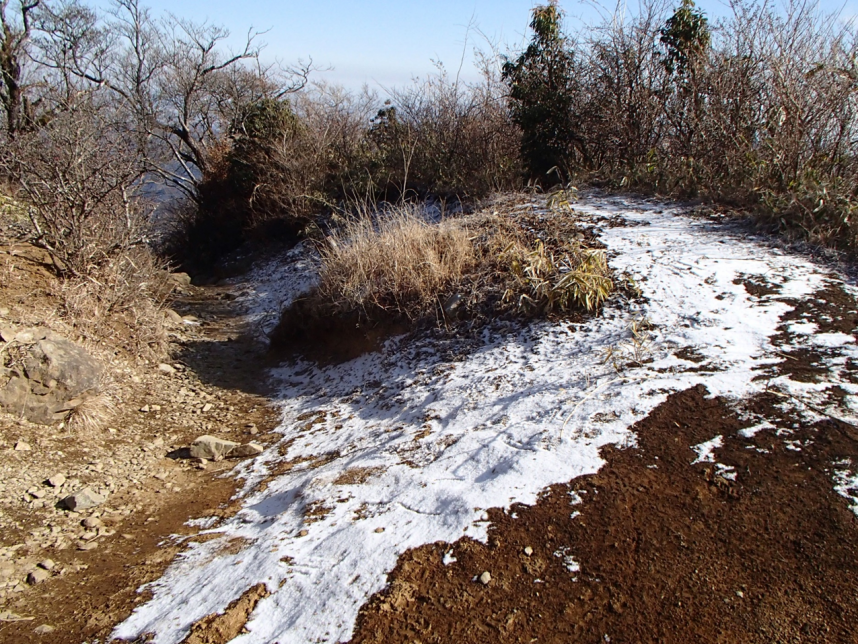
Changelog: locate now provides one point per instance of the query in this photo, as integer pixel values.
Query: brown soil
(221, 628)
(144, 519)
(666, 551)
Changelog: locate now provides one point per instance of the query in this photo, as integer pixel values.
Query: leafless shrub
(76, 178)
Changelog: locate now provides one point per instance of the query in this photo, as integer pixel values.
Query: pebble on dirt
(37, 576)
(485, 578)
(57, 480)
(22, 446)
(250, 449)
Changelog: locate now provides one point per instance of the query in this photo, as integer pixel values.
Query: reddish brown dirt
(221, 628)
(668, 551)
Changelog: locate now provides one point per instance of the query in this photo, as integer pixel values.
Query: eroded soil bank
(658, 548)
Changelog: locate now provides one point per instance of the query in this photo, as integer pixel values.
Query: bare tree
(16, 27)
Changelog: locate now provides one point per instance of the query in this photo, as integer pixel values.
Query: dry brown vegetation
(402, 266)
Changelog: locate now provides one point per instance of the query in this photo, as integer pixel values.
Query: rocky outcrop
(43, 375)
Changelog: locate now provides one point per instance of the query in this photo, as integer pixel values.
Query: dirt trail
(220, 364)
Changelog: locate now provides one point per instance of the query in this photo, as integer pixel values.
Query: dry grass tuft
(93, 414)
(401, 267)
(120, 304)
(400, 262)
(557, 281)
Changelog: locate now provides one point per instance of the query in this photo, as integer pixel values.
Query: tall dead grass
(399, 262)
(120, 303)
(401, 266)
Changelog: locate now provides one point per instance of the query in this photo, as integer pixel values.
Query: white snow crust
(421, 437)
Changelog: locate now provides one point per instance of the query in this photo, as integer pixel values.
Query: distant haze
(389, 42)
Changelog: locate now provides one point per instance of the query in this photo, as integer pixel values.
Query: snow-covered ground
(410, 445)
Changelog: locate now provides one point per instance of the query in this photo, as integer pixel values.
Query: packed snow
(409, 445)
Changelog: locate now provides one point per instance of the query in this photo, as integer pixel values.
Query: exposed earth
(681, 467)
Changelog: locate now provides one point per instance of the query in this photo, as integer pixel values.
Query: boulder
(49, 376)
(212, 448)
(84, 499)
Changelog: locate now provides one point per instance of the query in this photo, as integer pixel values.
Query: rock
(22, 446)
(155, 407)
(207, 407)
(38, 576)
(44, 629)
(212, 448)
(83, 500)
(166, 368)
(485, 578)
(57, 480)
(53, 373)
(144, 409)
(92, 522)
(528, 551)
(47, 564)
(250, 449)
(452, 304)
(303, 533)
(180, 279)
(4, 311)
(379, 530)
(173, 317)
(92, 545)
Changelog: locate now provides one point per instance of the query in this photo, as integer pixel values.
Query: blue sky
(387, 42)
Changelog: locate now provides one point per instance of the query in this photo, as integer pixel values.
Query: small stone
(127, 536)
(145, 409)
(485, 578)
(379, 530)
(4, 311)
(212, 448)
(740, 594)
(303, 533)
(253, 431)
(166, 368)
(172, 316)
(250, 449)
(83, 500)
(92, 545)
(92, 523)
(22, 446)
(528, 551)
(158, 442)
(57, 480)
(47, 564)
(207, 407)
(38, 576)
(88, 536)
(44, 629)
